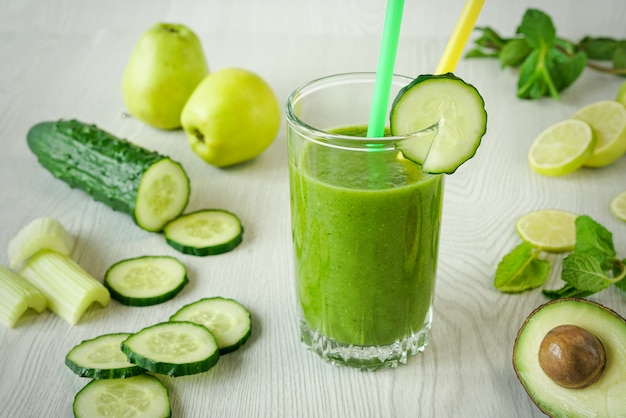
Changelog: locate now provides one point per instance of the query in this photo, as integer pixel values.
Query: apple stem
(198, 135)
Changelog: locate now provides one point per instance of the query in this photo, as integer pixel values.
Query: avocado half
(603, 397)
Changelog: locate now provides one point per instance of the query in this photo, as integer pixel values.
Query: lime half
(618, 206)
(550, 230)
(562, 148)
(447, 116)
(607, 119)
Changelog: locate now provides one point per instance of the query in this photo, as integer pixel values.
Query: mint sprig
(521, 270)
(548, 64)
(590, 268)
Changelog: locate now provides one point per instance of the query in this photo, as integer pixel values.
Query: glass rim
(329, 138)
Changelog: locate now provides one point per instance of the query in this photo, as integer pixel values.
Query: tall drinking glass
(365, 227)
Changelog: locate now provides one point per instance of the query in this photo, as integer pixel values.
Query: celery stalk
(39, 234)
(70, 290)
(17, 296)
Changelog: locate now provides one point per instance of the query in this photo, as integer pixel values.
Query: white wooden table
(64, 59)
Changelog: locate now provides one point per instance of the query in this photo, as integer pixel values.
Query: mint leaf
(534, 80)
(619, 57)
(595, 240)
(565, 46)
(521, 270)
(546, 72)
(489, 38)
(479, 53)
(567, 291)
(514, 52)
(621, 284)
(538, 29)
(584, 272)
(566, 69)
(598, 48)
(489, 44)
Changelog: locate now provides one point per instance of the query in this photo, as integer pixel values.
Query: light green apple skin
(231, 117)
(163, 70)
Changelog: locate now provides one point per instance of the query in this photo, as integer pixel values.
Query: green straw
(384, 73)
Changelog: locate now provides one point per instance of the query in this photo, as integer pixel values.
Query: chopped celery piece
(70, 290)
(17, 296)
(41, 233)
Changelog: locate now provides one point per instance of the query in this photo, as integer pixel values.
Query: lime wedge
(550, 230)
(607, 119)
(618, 206)
(447, 116)
(562, 148)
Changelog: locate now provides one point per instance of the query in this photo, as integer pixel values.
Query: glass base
(365, 357)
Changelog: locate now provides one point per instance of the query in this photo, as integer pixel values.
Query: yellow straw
(459, 37)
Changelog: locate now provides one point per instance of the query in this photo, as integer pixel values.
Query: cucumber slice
(204, 232)
(145, 281)
(448, 118)
(162, 194)
(101, 358)
(227, 319)
(174, 348)
(142, 396)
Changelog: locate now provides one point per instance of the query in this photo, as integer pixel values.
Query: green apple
(163, 70)
(231, 117)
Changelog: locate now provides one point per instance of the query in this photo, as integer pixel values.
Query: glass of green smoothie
(365, 228)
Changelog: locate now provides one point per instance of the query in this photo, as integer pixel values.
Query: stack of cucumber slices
(124, 366)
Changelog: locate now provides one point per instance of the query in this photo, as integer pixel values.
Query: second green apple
(165, 67)
(232, 116)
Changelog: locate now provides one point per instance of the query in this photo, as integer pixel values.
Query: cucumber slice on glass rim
(448, 118)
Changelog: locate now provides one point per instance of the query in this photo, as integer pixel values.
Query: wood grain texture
(64, 59)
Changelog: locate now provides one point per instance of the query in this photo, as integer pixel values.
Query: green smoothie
(365, 229)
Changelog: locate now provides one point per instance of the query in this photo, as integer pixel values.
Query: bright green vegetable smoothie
(366, 230)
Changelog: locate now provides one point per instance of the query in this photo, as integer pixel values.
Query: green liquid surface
(365, 229)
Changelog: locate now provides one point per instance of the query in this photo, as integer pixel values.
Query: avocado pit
(571, 356)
